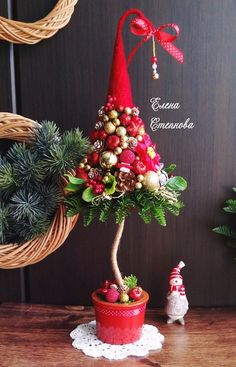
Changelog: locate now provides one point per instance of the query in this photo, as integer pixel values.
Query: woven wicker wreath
(31, 33)
(16, 127)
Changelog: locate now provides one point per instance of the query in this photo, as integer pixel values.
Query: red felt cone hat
(119, 84)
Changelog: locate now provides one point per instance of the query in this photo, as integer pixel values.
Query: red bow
(143, 27)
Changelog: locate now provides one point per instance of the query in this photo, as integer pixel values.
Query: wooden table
(38, 336)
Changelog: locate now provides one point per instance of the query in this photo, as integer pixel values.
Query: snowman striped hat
(175, 273)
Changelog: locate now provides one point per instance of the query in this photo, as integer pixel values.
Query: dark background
(65, 79)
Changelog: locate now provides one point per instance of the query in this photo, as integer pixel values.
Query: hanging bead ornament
(155, 75)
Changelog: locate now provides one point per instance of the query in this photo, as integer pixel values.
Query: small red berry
(136, 293)
(112, 295)
(120, 108)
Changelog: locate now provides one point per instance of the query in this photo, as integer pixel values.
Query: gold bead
(128, 110)
(81, 165)
(121, 131)
(116, 122)
(140, 178)
(109, 128)
(118, 150)
(124, 138)
(113, 114)
(138, 185)
(105, 179)
(105, 118)
(87, 167)
(155, 76)
(139, 138)
(124, 145)
(141, 131)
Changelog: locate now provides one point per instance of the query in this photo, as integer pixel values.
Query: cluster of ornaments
(123, 157)
(111, 292)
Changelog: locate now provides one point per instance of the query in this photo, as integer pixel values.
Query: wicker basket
(16, 127)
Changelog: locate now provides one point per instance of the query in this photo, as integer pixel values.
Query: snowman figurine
(177, 303)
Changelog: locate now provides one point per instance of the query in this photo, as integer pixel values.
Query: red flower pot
(119, 323)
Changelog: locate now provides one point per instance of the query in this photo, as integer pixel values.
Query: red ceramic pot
(119, 323)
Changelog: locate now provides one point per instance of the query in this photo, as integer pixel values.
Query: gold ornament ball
(121, 131)
(124, 145)
(108, 160)
(128, 110)
(81, 165)
(151, 181)
(140, 178)
(105, 118)
(118, 150)
(113, 114)
(116, 122)
(109, 128)
(141, 131)
(105, 179)
(87, 167)
(124, 138)
(138, 185)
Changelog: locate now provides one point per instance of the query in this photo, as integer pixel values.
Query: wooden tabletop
(38, 336)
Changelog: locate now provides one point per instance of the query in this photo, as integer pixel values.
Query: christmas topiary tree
(123, 170)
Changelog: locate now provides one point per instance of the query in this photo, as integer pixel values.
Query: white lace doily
(85, 339)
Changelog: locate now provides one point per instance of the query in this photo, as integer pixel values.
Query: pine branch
(46, 136)
(7, 180)
(4, 214)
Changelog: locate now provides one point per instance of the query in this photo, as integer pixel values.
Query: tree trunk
(114, 250)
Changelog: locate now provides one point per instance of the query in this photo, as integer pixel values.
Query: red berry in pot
(139, 167)
(136, 293)
(102, 291)
(112, 295)
(106, 284)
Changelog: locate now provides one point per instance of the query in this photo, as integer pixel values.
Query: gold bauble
(118, 150)
(121, 131)
(128, 110)
(140, 178)
(81, 165)
(108, 160)
(141, 131)
(105, 118)
(124, 145)
(116, 122)
(109, 128)
(139, 138)
(124, 138)
(113, 114)
(151, 181)
(105, 179)
(138, 185)
(87, 167)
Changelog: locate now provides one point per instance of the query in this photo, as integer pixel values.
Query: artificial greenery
(226, 230)
(131, 281)
(149, 205)
(30, 181)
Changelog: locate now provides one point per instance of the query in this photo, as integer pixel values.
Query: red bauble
(94, 135)
(132, 129)
(125, 119)
(94, 158)
(113, 141)
(137, 120)
(139, 167)
(102, 134)
(136, 293)
(80, 173)
(120, 108)
(112, 295)
(127, 156)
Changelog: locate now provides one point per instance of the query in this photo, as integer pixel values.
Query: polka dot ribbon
(144, 27)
